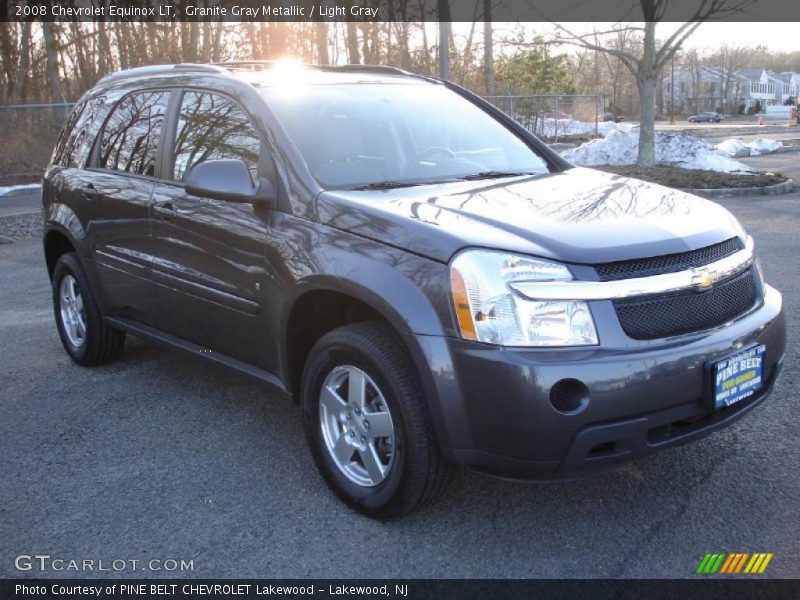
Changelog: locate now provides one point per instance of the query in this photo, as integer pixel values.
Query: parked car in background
(430, 282)
(706, 117)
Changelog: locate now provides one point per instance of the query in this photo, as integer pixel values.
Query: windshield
(390, 135)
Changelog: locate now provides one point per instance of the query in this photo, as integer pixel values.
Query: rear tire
(86, 338)
(355, 374)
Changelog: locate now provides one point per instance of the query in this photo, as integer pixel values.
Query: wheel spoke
(380, 424)
(69, 323)
(356, 387)
(79, 303)
(343, 451)
(332, 401)
(80, 327)
(74, 294)
(372, 464)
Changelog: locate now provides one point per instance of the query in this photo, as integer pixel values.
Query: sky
(781, 37)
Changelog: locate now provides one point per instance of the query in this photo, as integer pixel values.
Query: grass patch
(694, 179)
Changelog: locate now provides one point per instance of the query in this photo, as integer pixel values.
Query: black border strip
(393, 10)
(410, 589)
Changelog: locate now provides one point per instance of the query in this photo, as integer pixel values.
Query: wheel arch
(322, 306)
(56, 243)
(336, 301)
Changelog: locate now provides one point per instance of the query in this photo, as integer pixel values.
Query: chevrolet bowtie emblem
(703, 278)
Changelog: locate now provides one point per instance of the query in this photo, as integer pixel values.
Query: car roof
(271, 73)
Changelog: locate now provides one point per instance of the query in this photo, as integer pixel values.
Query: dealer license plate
(738, 377)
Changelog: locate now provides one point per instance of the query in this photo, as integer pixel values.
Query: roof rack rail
(234, 64)
(331, 68)
(383, 69)
(365, 69)
(162, 70)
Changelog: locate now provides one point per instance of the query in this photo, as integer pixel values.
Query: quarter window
(212, 127)
(131, 135)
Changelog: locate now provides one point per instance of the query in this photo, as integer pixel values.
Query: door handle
(167, 210)
(89, 190)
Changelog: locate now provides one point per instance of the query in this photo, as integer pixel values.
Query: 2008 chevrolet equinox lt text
(432, 283)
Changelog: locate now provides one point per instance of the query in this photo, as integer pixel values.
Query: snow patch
(681, 149)
(762, 145)
(12, 190)
(737, 147)
(734, 147)
(550, 127)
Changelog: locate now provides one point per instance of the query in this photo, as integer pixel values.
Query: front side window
(130, 138)
(212, 127)
(353, 135)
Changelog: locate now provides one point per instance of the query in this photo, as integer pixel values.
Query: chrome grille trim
(697, 278)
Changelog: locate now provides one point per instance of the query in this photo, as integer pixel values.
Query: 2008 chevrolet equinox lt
(432, 283)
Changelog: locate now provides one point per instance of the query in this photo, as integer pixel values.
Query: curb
(784, 187)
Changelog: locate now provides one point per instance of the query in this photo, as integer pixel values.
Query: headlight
(487, 310)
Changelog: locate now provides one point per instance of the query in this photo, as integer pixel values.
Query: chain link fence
(28, 133)
(554, 117)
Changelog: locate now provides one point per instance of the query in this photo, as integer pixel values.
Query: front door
(211, 253)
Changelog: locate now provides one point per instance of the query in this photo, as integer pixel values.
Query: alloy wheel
(356, 425)
(73, 315)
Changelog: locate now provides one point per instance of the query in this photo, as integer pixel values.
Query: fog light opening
(603, 448)
(569, 396)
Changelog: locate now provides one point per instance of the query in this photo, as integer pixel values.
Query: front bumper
(493, 412)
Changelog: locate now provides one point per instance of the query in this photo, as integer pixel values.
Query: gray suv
(430, 282)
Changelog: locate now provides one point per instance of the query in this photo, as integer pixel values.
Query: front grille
(684, 312)
(669, 263)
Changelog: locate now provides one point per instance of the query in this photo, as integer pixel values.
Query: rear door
(211, 253)
(118, 186)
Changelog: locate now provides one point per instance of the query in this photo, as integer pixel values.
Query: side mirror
(228, 179)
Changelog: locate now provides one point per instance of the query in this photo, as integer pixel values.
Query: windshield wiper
(387, 185)
(495, 174)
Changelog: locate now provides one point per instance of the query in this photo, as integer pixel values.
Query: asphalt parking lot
(160, 456)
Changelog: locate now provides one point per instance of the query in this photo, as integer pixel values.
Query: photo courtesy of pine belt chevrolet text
(430, 282)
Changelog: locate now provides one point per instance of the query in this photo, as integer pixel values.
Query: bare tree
(51, 52)
(729, 59)
(646, 65)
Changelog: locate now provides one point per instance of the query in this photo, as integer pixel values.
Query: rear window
(130, 138)
(79, 133)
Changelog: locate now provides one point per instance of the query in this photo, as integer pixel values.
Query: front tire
(367, 422)
(86, 338)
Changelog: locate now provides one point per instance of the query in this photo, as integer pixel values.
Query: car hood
(578, 215)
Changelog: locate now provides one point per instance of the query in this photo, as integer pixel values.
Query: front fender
(394, 291)
(409, 291)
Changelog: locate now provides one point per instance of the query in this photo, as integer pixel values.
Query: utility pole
(444, 38)
(488, 50)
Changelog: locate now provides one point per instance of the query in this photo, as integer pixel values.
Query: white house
(790, 86)
(709, 88)
(764, 87)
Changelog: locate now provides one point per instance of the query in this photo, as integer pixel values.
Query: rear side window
(79, 133)
(130, 138)
(210, 127)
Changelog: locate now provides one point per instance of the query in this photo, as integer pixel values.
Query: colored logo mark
(734, 562)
